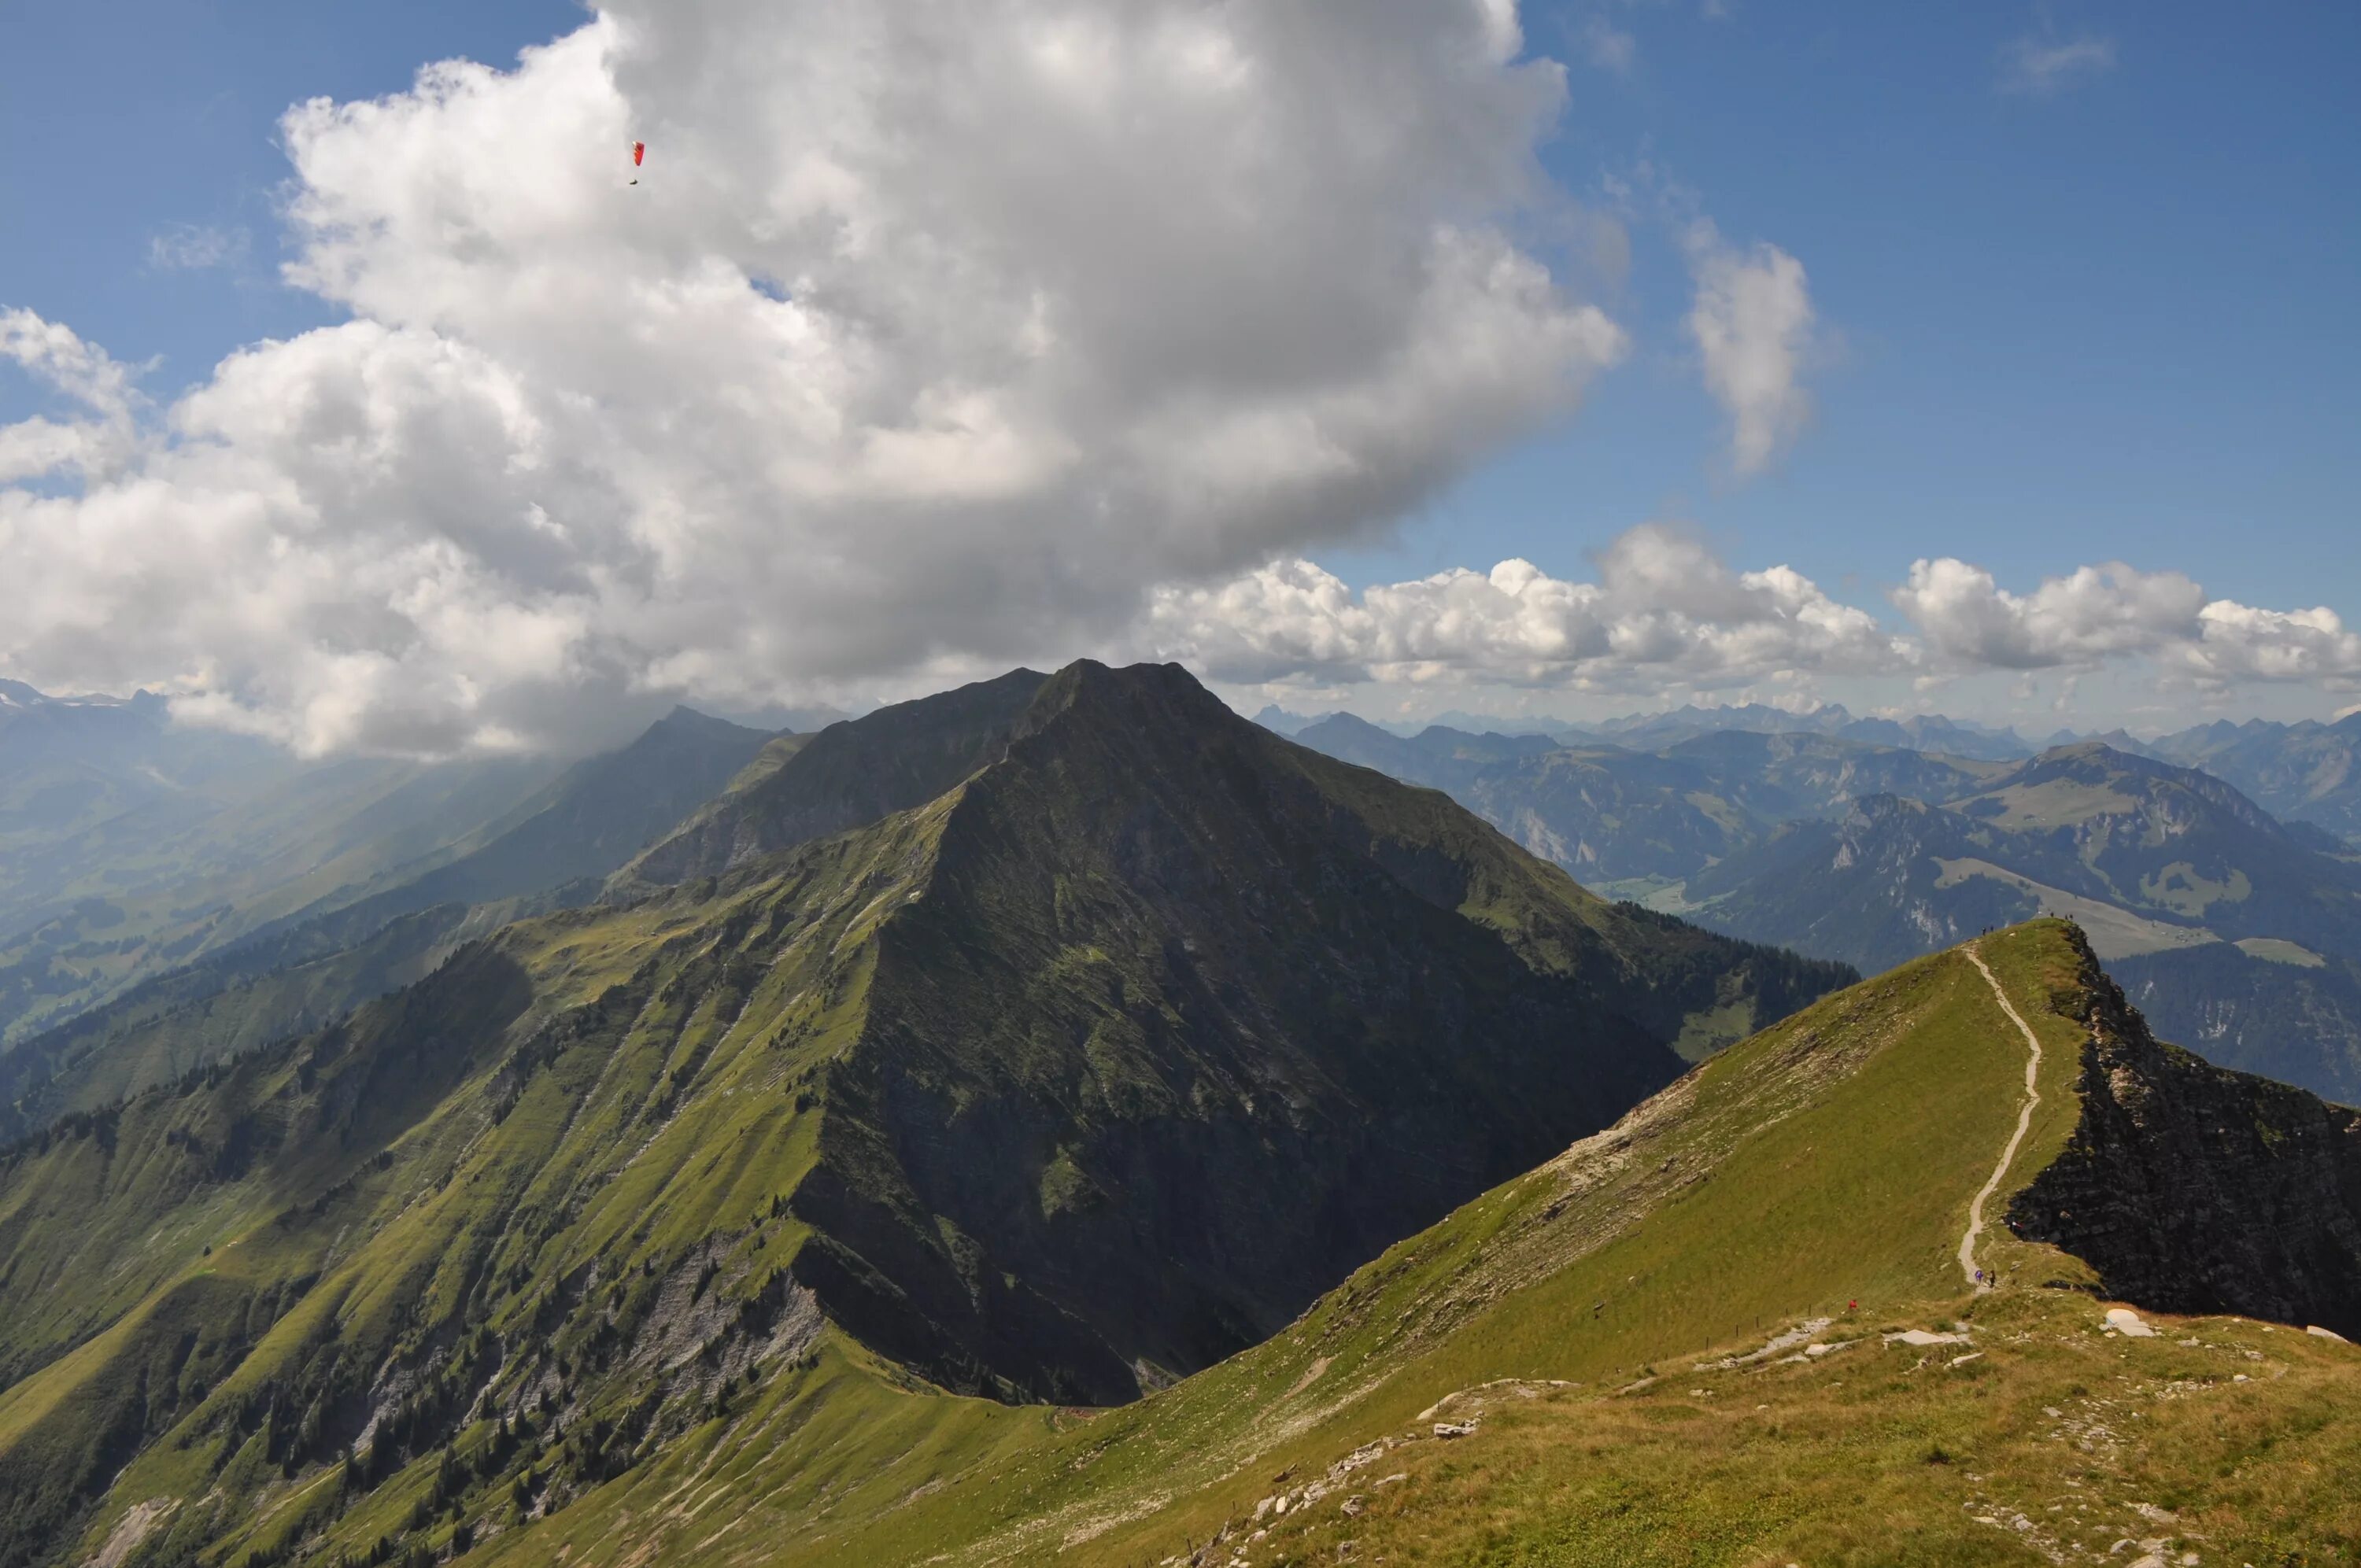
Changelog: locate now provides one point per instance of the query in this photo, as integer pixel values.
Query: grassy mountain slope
(991, 1094)
(1598, 1323)
(224, 1007)
(130, 846)
(1593, 1335)
(588, 822)
(297, 973)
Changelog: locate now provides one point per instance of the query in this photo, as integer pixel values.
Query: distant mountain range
(2300, 772)
(130, 846)
(2238, 934)
(1655, 731)
(317, 962)
(2307, 772)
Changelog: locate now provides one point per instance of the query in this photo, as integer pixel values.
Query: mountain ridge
(948, 1097)
(1729, 1329)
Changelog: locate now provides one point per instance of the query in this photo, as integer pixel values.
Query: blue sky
(2113, 318)
(2120, 316)
(132, 123)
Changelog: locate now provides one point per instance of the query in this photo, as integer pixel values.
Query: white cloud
(930, 334)
(2038, 66)
(1664, 610)
(1752, 323)
(1667, 614)
(2237, 643)
(191, 247)
(2096, 614)
(93, 445)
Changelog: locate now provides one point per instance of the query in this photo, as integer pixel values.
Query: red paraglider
(639, 156)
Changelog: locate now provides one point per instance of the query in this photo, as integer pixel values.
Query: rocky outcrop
(2192, 1189)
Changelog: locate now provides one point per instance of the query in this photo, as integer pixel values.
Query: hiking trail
(2023, 1121)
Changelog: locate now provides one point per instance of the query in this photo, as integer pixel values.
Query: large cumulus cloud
(1665, 610)
(2097, 614)
(1666, 613)
(932, 335)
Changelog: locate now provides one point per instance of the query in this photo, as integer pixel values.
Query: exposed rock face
(2192, 1189)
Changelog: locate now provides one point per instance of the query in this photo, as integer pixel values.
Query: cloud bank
(1666, 611)
(2082, 620)
(929, 337)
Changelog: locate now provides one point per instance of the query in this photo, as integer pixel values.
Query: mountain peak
(1134, 692)
(1280, 721)
(685, 721)
(849, 775)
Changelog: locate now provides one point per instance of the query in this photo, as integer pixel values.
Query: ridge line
(2023, 1121)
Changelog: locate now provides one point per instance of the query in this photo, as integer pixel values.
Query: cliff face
(2193, 1189)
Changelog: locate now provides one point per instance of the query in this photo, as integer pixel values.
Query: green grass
(544, 1184)
(1884, 1454)
(1827, 1161)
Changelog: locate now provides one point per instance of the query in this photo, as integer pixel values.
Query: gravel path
(2023, 1121)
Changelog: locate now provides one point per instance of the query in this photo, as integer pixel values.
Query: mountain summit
(1087, 1070)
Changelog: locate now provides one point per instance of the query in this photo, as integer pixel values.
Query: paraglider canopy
(639, 153)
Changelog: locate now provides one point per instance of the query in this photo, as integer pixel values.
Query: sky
(1393, 355)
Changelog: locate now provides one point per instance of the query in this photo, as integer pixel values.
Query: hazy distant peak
(1280, 721)
(685, 720)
